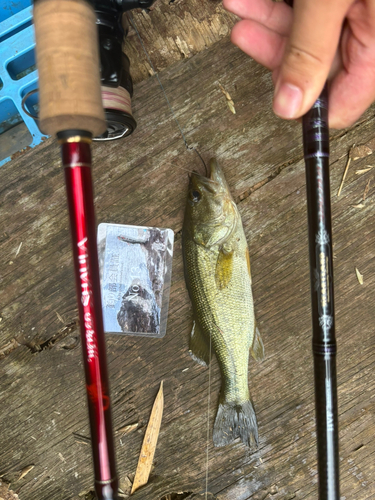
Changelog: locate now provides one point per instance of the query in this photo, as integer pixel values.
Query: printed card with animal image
(135, 274)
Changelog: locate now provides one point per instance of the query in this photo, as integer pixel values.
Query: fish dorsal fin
(257, 349)
(224, 268)
(198, 346)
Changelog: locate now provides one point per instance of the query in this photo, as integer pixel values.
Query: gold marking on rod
(108, 481)
(78, 164)
(323, 280)
(75, 138)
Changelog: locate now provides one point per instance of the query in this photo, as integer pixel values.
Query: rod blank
(316, 153)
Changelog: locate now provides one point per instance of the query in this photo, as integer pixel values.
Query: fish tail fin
(235, 420)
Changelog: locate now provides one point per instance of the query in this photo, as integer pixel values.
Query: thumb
(308, 55)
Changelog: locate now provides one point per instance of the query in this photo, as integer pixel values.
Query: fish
(218, 279)
(139, 312)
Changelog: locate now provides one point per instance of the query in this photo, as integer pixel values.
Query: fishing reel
(116, 81)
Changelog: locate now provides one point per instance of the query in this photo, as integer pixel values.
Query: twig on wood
(359, 276)
(60, 318)
(149, 442)
(364, 170)
(18, 249)
(365, 193)
(358, 152)
(25, 471)
(128, 428)
(345, 172)
(81, 439)
(230, 102)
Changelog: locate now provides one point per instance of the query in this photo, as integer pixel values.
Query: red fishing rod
(71, 110)
(316, 154)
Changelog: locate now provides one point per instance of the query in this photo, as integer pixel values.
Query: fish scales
(231, 314)
(217, 274)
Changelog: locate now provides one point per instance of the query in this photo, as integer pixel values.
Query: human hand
(318, 39)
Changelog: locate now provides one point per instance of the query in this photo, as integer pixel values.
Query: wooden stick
(149, 442)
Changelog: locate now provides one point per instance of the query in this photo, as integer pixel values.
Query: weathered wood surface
(173, 30)
(43, 419)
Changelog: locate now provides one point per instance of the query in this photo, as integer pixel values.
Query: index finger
(308, 55)
(276, 16)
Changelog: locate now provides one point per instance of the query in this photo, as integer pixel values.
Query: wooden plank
(142, 181)
(173, 30)
(14, 140)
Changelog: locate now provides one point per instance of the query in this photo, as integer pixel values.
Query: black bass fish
(217, 275)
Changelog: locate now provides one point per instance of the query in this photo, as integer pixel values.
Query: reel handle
(68, 64)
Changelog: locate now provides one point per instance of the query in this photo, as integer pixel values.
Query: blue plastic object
(18, 75)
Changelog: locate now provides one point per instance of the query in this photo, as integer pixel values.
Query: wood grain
(173, 30)
(143, 180)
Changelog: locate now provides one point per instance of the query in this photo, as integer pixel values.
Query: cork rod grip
(68, 64)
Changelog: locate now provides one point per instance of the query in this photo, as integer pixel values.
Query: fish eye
(195, 195)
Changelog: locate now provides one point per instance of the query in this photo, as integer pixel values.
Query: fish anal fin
(224, 269)
(257, 349)
(199, 349)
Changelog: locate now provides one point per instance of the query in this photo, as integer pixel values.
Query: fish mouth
(198, 180)
(214, 182)
(213, 168)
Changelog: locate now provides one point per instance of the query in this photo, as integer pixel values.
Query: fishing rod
(316, 155)
(73, 85)
(71, 110)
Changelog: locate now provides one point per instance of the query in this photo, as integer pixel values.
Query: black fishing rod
(316, 154)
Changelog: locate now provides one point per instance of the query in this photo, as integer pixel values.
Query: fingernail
(287, 101)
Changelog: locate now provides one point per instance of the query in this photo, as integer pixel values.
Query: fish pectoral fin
(257, 349)
(224, 269)
(199, 348)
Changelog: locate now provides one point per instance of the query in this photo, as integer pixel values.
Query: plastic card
(135, 275)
